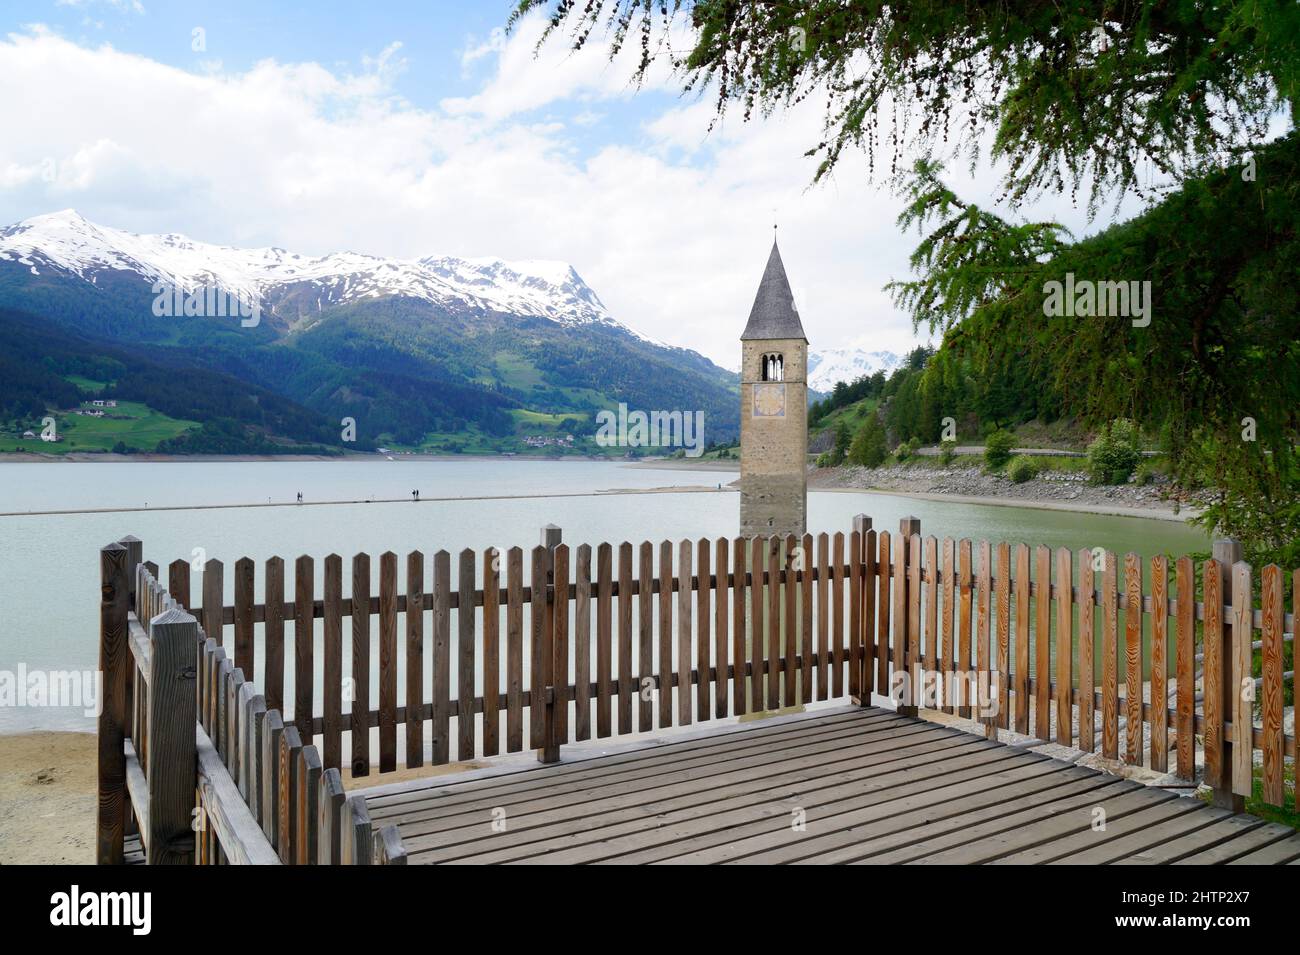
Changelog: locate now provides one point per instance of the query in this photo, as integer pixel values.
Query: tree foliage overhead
(1074, 93)
(1217, 370)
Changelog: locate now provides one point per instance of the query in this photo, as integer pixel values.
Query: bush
(1115, 453)
(1147, 472)
(997, 449)
(1021, 469)
(947, 451)
(907, 449)
(824, 459)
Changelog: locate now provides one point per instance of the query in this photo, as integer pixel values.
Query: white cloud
(476, 50)
(669, 223)
(527, 76)
(125, 6)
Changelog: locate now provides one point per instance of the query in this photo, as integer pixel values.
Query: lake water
(49, 563)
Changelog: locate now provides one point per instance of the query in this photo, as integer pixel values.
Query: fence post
(550, 749)
(173, 643)
(1227, 552)
(862, 638)
(329, 805)
(388, 847)
(903, 623)
(113, 661)
(134, 558)
(355, 835)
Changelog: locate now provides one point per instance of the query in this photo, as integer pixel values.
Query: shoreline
(1151, 513)
(1041, 493)
(1066, 491)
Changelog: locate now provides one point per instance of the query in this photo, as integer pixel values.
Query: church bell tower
(773, 411)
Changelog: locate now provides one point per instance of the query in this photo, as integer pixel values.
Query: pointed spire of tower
(773, 314)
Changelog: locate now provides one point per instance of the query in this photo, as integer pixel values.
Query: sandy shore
(47, 798)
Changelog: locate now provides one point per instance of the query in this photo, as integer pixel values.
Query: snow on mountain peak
(829, 366)
(68, 241)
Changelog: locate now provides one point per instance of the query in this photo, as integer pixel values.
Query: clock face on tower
(769, 399)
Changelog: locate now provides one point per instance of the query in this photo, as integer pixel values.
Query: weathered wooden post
(306, 799)
(272, 731)
(173, 644)
(178, 581)
(134, 558)
(1219, 776)
(290, 748)
(113, 661)
(388, 847)
(355, 834)
(861, 639)
(904, 623)
(547, 685)
(136, 603)
(329, 804)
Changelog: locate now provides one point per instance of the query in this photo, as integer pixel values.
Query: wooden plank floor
(132, 850)
(836, 786)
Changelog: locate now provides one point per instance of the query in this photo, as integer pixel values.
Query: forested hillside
(46, 370)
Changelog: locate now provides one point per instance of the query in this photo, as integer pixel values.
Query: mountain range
(829, 366)
(439, 353)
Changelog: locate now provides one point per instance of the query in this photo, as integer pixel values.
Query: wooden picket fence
(193, 768)
(562, 662)
(595, 642)
(1038, 657)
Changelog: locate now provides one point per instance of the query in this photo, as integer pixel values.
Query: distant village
(95, 408)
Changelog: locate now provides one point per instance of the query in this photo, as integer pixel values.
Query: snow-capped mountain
(68, 242)
(828, 366)
(410, 348)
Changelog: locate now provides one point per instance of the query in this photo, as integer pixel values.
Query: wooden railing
(605, 641)
(190, 760)
(566, 652)
(1039, 656)
(648, 636)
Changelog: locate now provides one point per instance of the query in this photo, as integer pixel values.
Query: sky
(417, 128)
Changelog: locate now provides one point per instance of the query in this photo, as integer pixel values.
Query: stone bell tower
(773, 411)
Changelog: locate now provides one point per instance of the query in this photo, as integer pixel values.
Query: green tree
(869, 447)
(1074, 94)
(1213, 365)
(843, 437)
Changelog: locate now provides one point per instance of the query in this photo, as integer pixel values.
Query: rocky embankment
(1068, 489)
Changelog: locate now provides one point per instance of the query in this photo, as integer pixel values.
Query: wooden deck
(836, 786)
